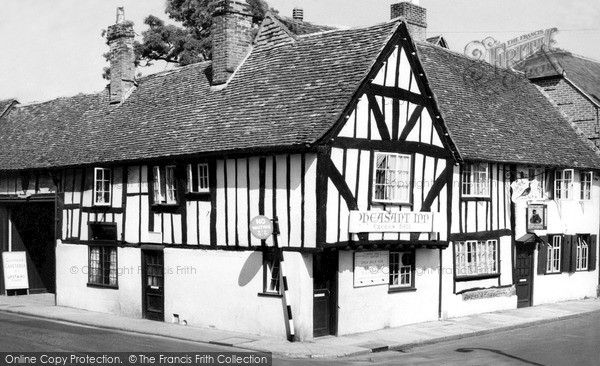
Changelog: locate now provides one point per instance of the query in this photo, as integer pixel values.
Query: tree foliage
(188, 44)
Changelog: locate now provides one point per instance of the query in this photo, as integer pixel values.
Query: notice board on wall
(371, 268)
(15, 270)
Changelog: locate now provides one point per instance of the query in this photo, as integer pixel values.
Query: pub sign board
(15, 270)
(379, 221)
(536, 217)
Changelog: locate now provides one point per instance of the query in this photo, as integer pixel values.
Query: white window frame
(164, 194)
(400, 274)
(272, 274)
(394, 188)
(202, 176)
(583, 254)
(562, 184)
(585, 191)
(477, 258)
(100, 190)
(476, 180)
(553, 260)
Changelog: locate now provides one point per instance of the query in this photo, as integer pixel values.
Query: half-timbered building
(385, 162)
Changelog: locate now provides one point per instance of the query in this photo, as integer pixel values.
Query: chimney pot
(120, 15)
(415, 17)
(298, 13)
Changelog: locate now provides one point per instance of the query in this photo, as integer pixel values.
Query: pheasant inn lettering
(390, 222)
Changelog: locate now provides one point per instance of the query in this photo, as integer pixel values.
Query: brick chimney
(122, 57)
(415, 16)
(298, 13)
(232, 36)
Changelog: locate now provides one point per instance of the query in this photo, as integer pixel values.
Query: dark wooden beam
(404, 147)
(414, 117)
(379, 119)
(397, 93)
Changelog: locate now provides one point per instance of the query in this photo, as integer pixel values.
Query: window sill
(269, 294)
(476, 277)
(390, 203)
(392, 290)
(552, 273)
(109, 287)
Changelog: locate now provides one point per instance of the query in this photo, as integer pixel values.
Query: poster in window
(536, 217)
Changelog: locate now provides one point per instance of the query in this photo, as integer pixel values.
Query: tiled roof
(498, 115)
(285, 96)
(583, 72)
(300, 27)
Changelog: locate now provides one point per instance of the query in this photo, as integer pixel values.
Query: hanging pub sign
(371, 268)
(536, 217)
(378, 221)
(15, 270)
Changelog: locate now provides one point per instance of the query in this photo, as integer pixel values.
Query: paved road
(569, 342)
(28, 334)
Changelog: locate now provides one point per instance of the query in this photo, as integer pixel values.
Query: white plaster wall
(219, 289)
(567, 217)
(364, 309)
(72, 289)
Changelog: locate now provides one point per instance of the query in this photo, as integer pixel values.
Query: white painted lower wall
(369, 308)
(222, 292)
(206, 288)
(456, 305)
(72, 289)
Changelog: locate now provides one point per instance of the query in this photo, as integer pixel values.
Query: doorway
(325, 269)
(153, 290)
(524, 273)
(29, 227)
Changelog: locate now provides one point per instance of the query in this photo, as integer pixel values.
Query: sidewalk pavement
(42, 305)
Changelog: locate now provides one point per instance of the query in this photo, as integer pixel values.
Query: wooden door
(153, 285)
(324, 295)
(524, 274)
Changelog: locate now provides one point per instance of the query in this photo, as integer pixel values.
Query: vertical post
(9, 214)
(283, 281)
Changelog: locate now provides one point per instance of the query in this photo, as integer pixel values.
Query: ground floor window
(402, 269)
(271, 274)
(582, 253)
(476, 257)
(102, 270)
(554, 252)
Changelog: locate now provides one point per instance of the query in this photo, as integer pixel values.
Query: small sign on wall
(536, 217)
(15, 270)
(371, 268)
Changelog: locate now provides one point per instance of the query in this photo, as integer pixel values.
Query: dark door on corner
(524, 274)
(325, 268)
(153, 285)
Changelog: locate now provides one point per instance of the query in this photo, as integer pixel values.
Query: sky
(54, 48)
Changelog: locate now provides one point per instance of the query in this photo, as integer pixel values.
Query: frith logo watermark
(507, 54)
(502, 57)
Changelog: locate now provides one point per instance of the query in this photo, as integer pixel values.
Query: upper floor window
(392, 178)
(586, 186)
(165, 185)
(563, 184)
(198, 178)
(102, 180)
(476, 257)
(554, 254)
(475, 180)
